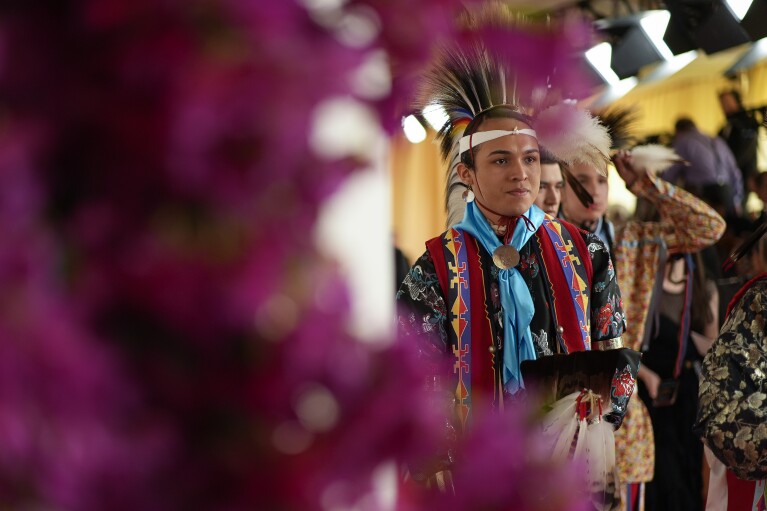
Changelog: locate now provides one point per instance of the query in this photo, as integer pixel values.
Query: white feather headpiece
(572, 135)
(654, 158)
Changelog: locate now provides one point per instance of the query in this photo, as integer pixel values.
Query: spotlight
(414, 130)
(599, 57)
(711, 26)
(586, 74)
(756, 53)
(636, 41)
(753, 21)
(435, 115)
(654, 24)
(739, 7)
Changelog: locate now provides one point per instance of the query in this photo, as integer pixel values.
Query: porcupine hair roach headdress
(472, 84)
(620, 122)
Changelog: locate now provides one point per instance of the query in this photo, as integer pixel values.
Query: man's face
(729, 103)
(550, 192)
(596, 185)
(507, 170)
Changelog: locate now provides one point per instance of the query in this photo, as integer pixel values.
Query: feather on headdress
(620, 123)
(654, 158)
(573, 135)
(745, 247)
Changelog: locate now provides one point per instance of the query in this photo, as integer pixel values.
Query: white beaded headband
(471, 141)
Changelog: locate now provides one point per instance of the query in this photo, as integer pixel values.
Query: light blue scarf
(517, 303)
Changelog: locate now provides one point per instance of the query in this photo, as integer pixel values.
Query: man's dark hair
(684, 124)
(548, 158)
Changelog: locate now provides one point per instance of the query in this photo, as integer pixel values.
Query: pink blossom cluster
(169, 336)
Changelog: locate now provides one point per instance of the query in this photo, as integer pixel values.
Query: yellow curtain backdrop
(418, 174)
(660, 107)
(418, 181)
(756, 87)
(695, 94)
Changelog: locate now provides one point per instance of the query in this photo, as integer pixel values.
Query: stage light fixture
(413, 129)
(739, 7)
(435, 115)
(756, 53)
(654, 23)
(677, 37)
(709, 25)
(600, 57)
(754, 22)
(632, 45)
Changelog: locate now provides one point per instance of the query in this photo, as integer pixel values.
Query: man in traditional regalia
(508, 284)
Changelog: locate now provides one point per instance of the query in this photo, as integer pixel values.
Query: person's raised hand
(625, 168)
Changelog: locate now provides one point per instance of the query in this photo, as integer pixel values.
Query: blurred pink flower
(166, 323)
(503, 466)
(542, 56)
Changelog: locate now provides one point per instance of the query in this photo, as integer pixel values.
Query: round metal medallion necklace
(506, 257)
